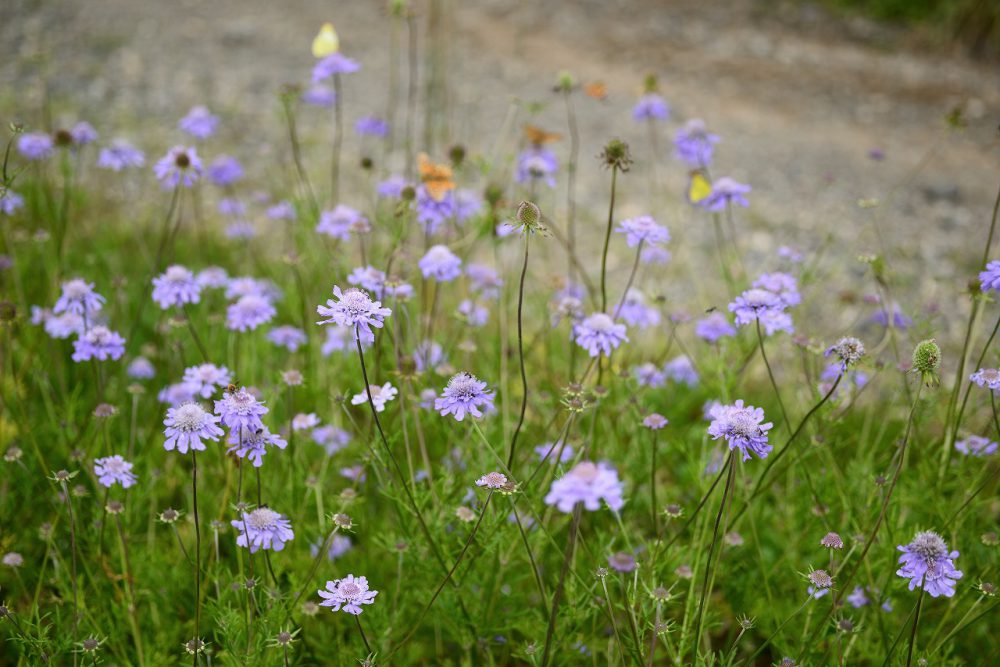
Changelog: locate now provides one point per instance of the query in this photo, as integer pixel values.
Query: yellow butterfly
(699, 187)
(437, 178)
(326, 42)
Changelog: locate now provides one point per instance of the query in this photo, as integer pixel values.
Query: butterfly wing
(326, 42)
(699, 188)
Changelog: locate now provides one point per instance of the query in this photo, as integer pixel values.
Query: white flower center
(189, 417)
(743, 424)
(929, 545)
(600, 323)
(262, 518)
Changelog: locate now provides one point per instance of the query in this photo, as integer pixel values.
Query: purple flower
(537, 163)
(713, 327)
(176, 394)
(120, 155)
(225, 170)
(331, 438)
(899, 319)
(263, 528)
(976, 445)
(857, 598)
(643, 228)
(725, 192)
(392, 187)
(782, 284)
(252, 444)
(187, 425)
(649, 375)
(241, 229)
(372, 126)
(140, 368)
(599, 334)
(636, 313)
(927, 563)
(304, 421)
(341, 339)
(485, 280)
(789, 253)
(249, 312)
(288, 337)
(441, 264)
(63, 326)
(588, 483)
(355, 473)
(655, 421)
(213, 277)
(433, 213)
(464, 394)
(467, 204)
(10, 201)
(369, 278)
(650, 107)
(246, 285)
(319, 96)
(622, 561)
(339, 545)
(742, 428)
(354, 308)
(180, 166)
(694, 144)
(283, 210)
(175, 287)
(35, 145)
(199, 122)
(550, 451)
(380, 396)
(474, 314)
(654, 254)
(341, 221)
(681, 370)
(492, 480)
(988, 378)
(429, 355)
(754, 304)
(990, 277)
(112, 470)
(204, 379)
(347, 594)
(567, 304)
(335, 63)
(98, 343)
(240, 410)
(83, 133)
(78, 297)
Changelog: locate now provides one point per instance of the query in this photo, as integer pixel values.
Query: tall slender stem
(770, 374)
(574, 527)
(607, 240)
(197, 556)
(520, 352)
(916, 620)
(338, 138)
(719, 528)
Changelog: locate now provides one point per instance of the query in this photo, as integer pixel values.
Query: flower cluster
(588, 483)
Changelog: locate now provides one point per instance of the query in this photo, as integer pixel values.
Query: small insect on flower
(589, 483)
(927, 563)
(347, 594)
(112, 470)
(492, 480)
(263, 528)
(464, 394)
(187, 425)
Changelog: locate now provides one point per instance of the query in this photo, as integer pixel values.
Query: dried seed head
(616, 155)
(529, 216)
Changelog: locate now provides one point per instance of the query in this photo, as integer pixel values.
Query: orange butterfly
(437, 178)
(597, 90)
(538, 137)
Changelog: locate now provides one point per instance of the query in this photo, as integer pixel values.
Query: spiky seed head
(927, 361)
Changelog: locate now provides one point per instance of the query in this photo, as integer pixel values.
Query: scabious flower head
(98, 343)
(655, 421)
(120, 155)
(756, 303)
(821, 579)
(213, 277)
(371, 126)
(989, 278)
(263, 528)
(319, 95)
(249, 312)
(742, 428)
(200, 123)
(429, 356)
(354, 308)
(567, 303)
(988, 378)
(112, 470)
(10, 201)
(252, 444)
(599, 334)
(485, 280)
(588, 483)
(681, 370)
(341, 221)
(713, 327)
(832, 541)
(240, 409)
(472, 313)
(181, 166)
(176, 394)
(304, 421)
(848, 350)
(392, 187)
(441, 264)
(83, 133)
(288, 337)
(246, 285)
(537, 163)
(203, 379)
(643, 228)
(927, 563)
(35, 145)
(225, 170)
(331, 438)
(694, 144)
(187, 425)
(636, 312)
(976, 445)
(283, 210)
(492, 480)
(649, 374)
(781, 283)
(464, 394)
(651, 106)
(622, 561)
(335, 63)
(380, 396)
(141, 368)
(725, 192)
(175, 287)
(550, 451)
(78, 297)
(347, 594)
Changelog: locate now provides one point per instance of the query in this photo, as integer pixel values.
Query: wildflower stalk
(607, 239)
(287, 101)
(197, 554)
(716, 532)
(520, 351)
(611, 613)
(72, 547)
(652, 486)
(968, 385)
(631, 277)
(194, 335)
(315, 565)
(130, 588)
(574, 528)
(916, 621)
(770, 374)
(361, 631)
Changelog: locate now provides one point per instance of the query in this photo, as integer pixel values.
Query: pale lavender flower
(288, 337)
(225, 170)
(341, 339)
(681, 370)
(441, 264)
(176, 395)
(433, 213)
(10, 201)
(990, 277)
(368, 278)
(467, 204)
(622, 561)
(204, 379)
(120, 155)
(180, 166)
(550, 451)
(537, 163)
(927, 563)
(64, 325)
(98, 343)
(12, 559)
(976, 445)
(380, 396)
(78, 297)
(782, 284)
(247, 285)
(140, 368)
(643, 228)
(742, 428)
(900, 320)
(199, 122)
(655, 421)
(319, 95)
(213, 277)
(335, 63)
(35, 145)
(263, 528)
(341, 222)
(252, 444)
(331, 438)
(726, 192)
(774, 321)
(355, 473)
(485, 280)
(231, 206)
(464, 394)
(283, 210)
(371, 126)
(857, 598)
(240, 410)
(249, 312)
(588, 483)
(599, 334)
(655, 254)
(175, 287)
(187, 425)
(789, 253)
(392, 187)
(649, 374)
(493, 480)
(429, 355)
(241, 229)
(713, 327)
(636, 312)
(754, 303)
(694, 144)
(567, 303)
(473, 314)
(988, 378)
(83, 133)
(111, 470)
(304, 421)
(347, 594)
(339, 545)
(650, 106)
(353, 308)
